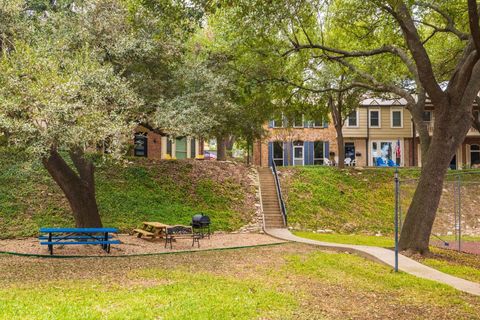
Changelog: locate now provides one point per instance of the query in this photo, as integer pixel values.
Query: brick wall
(260, 148)
(154, 145)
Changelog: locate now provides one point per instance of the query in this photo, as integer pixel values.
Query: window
(476, 115)
(427, 116)
(298, 121)
(386, 153)
(474, 154)
(397, 118)
(140, 145)
(277, 122)
(318, 122)
(298, 153)
(278, 153)
(318, 152)
(352, 119)
(374, 118)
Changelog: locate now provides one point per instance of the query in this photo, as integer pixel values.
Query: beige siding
(385, 130)
(361, 130)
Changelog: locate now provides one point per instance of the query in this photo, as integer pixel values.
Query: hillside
(362, 201)
(345, 201)
(128, 193)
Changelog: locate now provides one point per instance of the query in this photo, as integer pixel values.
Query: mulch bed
(132, 245)
(466, 246)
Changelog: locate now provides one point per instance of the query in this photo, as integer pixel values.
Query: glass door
(140, 145)
(278, 153)
(298, 159)
(350, 150)
(181, 148)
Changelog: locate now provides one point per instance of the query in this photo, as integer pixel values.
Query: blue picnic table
(78, 236)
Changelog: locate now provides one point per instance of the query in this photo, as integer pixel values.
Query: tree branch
(450, 27)
(473, 21)
(473, 87)
(305, 88)
(420, 55)
(375, 85)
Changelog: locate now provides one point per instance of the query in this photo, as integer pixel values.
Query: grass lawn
(290, 281)
(346, 201)
(462, 265)
(128, 193)
(359, 239)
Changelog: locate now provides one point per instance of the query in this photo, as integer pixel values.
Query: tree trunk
(417, 110)
(248, 151)
(78, 188)
(421, 214)
(336, 111)
(229, 142)
(341, 147)
(221, 148)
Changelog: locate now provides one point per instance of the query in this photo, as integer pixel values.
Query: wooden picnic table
(152, 229)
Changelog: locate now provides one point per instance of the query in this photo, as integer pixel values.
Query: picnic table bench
(78, 236)
(152, 230)
(181, 232)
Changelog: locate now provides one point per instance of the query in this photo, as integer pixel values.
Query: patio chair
(381, 163)
(348, 161)
(327, 162)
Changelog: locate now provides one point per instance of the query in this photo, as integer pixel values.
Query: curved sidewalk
(386, 257)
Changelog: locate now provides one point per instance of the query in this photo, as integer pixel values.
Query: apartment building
(380, 132)
(296, 141)
(153, 145)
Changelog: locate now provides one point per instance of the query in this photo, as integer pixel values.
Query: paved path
(387, 257)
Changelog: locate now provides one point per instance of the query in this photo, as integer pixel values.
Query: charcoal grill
(201, 224)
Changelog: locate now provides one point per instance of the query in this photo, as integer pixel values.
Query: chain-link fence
(457, 223)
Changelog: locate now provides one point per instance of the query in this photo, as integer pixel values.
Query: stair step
(272, 213)
(279, 219)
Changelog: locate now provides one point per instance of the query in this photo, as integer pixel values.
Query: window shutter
(270, 153)
(312, 151)
(193, 151)
(290, 158)
(169, 146)
(285, 154)
(327, 149)
(306, 152)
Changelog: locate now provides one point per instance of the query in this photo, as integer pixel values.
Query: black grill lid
(200, 219)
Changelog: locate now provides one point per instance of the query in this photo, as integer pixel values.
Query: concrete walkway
(386, 257)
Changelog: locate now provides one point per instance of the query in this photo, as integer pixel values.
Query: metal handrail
(279, 193)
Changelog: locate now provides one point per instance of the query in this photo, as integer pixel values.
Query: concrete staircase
(272, 213)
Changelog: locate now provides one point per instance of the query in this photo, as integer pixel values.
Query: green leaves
(59, 92)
